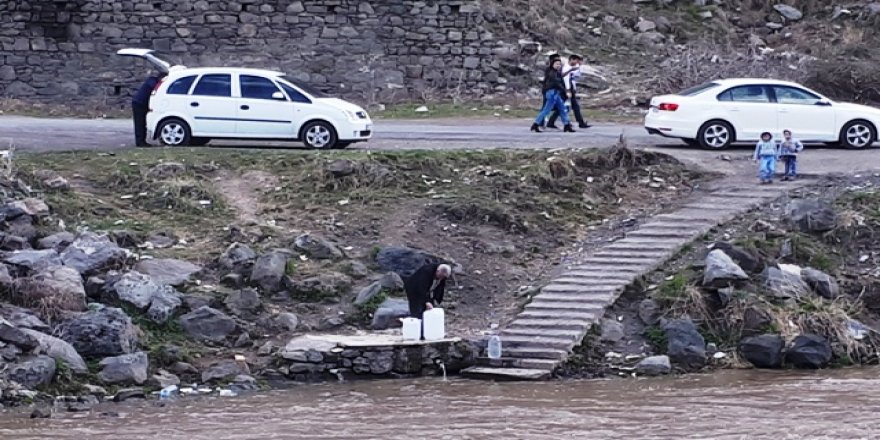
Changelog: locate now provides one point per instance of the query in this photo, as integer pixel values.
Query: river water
(839, 404)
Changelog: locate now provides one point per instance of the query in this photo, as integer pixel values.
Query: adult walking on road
(553, 58)
(554, 92)
(570, 75)
(140, 105)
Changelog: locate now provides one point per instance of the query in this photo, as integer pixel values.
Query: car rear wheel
(319, 135)
(715, 135)
(174, 133)
(858, 134)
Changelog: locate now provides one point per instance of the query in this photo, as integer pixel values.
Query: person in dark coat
(554, 91)
(140, 105)
(550, 61)
(425, 288)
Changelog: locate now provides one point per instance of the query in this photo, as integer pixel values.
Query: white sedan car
(191, 106)
(718, 113)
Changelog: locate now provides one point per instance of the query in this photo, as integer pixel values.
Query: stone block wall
(315, 362)
(63, 51)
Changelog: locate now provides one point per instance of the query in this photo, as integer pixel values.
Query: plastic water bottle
(495, 347)
(167, 392)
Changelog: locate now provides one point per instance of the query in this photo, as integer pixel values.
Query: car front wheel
(715, 135)
(319, 135)
(174, 133)
(858, 134)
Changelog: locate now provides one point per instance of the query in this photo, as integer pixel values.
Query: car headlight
(355, 116)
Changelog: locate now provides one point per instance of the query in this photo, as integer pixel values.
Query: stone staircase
(558, 318)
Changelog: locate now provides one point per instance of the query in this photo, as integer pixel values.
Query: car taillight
(156, 87)
(668, 107)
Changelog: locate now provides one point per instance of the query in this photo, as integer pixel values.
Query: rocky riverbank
(792, 285)
(209, 270)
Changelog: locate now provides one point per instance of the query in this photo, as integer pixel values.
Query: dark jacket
(418, 289)
(141, 97)
(553, 81)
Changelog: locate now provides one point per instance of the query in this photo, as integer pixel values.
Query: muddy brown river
(840, 404)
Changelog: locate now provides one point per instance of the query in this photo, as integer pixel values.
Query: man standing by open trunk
(140, 105)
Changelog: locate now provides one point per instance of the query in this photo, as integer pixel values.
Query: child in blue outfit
(766, 153)
(788, 150)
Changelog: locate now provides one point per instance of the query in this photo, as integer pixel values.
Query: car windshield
(306, 88)
(697, 90)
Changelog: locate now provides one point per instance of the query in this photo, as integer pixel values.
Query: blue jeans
(767, 168)
(790, 166)
(554, 101)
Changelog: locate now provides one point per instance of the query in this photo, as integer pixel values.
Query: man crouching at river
(424, 289)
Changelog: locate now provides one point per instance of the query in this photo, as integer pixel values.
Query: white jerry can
(434, 321)
(412, 329)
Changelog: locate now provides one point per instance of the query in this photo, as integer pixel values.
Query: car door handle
(734, 109)
(245, 107)
(194, 104)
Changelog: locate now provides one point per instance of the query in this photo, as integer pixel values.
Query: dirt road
(42, 135)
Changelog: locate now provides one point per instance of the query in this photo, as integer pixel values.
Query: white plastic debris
(719, 355)
(227, 393)
(422, 109)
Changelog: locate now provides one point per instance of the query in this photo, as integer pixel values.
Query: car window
(257, 87)
(793, 95)
(745, 94)
(307, 88)
(181, 86)
(294, 94)
(214, 85)
(697, 90)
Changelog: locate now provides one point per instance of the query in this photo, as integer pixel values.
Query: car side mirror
(824, 103)
(279, 96)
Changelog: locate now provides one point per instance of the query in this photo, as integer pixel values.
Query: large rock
(142, 292)
(403, 260)
(286, 321)
(789, 12)
(268, 271)
(756, 321)
(654, 366)
(245, 303)
(368, 293)
(208, 324)
(721, 271)
(784, 284)
(90, 253)
(317, 247)
(33, 371)
(763, 351)
(809, 352)
(55, 286)
(106, 331)
(612, 331)
(168, 271)
(59, 350)
(389, 313)
(743, 258)
(163, 379)
(811, 215)
(224, 370)
(22, 318)
(11, 334)
(685, 345)
(237, 256)
(323, 286)
(823, 284)
(649, 312)
(57, 241)
(33, 260)
(128, 368)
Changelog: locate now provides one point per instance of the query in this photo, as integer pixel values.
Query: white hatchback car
(191, 106)
(718, 113)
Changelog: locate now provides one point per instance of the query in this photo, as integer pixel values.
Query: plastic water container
(412, 329)
(168, 392)
(435, 324)
(495, 347)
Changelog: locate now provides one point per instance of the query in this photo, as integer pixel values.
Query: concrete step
(660, 233)
(698, 215)
(682, 225)
(611, 264)
(509, 342)
(630, 254)
(547, 304)
(509, 362)
(575, 299)
(581, 289)
(550, 333)
(547, 323)
(592, 280)
(506, 374)
(556, 314)
(539, 353)
(718, 208)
